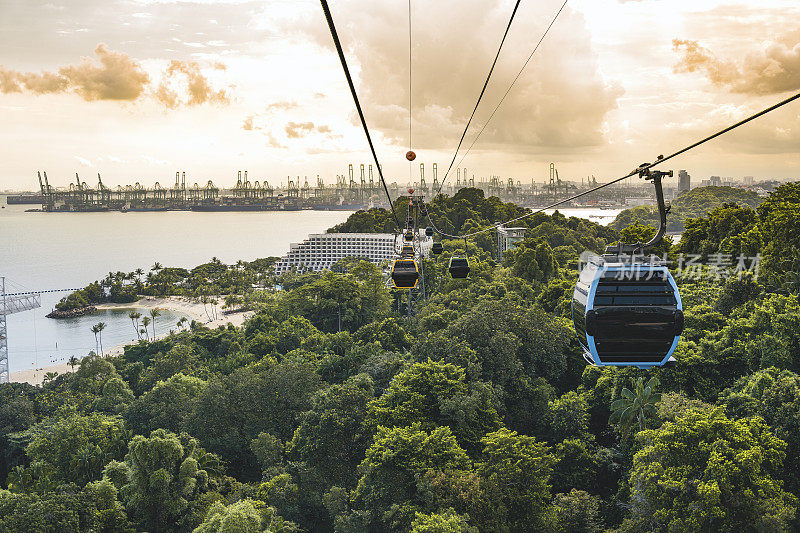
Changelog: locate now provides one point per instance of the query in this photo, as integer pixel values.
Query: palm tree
(154, 313)
(145, 323)
(95, 330)
(635, 406)
(49, 376)
(135, 316)
(182, 321)
(156, 267)
(204, 299)
(72, 362)
(100, 327)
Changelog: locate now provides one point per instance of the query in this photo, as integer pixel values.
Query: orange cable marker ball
(410, 155)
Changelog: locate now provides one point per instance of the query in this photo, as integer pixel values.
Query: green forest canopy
(689, 204)
(478, 413)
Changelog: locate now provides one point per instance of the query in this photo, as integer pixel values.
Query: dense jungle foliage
(212, 278)
(689, 204)
(331, 410)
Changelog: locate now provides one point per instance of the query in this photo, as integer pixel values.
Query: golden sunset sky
(136, 90)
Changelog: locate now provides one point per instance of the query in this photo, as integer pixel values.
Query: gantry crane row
(11, 303)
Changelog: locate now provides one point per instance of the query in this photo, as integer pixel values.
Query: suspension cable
(483, 90)
(634, 172)
(339, 50)
(410, 144)
(510, 86)
(410, 48)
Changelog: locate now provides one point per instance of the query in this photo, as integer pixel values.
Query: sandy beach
(193, 309)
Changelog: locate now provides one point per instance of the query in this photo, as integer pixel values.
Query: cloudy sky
(137, 89)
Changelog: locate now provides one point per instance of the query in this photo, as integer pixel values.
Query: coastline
(187, 306)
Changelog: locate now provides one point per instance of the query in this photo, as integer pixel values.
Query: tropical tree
(135, 316)
(96, 330)
(49, 376)
(156, 267)
(145, 323)
(100, 327)
(154, 313)
(72, 362)
(635, 406)
(204, 299)
(161, 480)
(706, 472)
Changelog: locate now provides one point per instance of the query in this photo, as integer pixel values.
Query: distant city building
(507, 238)
(748, 181)
(638, 200)
(715, 181)
(320, 251)
(684, 181)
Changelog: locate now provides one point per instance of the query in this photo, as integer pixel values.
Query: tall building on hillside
(684, 181)
(507, 238)
(320, 251)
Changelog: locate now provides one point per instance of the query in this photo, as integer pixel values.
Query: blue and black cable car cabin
(627, 311)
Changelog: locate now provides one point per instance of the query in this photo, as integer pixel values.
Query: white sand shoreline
(187, 306)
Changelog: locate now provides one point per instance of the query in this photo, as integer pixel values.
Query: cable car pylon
(10, 304)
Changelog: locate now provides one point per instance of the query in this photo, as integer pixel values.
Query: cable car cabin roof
(459, 267)
(405, 274)
(627, 313)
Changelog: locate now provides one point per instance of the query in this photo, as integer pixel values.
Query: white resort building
(320, 251)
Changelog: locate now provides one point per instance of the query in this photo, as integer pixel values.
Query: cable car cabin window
(459, 267)
(405, 274)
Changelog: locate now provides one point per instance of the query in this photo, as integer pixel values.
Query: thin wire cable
(410, 143)
(483, 90)
(510, 86)
(634, 172)
(339, 50)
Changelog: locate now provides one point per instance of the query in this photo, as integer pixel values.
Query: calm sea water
(42, 251)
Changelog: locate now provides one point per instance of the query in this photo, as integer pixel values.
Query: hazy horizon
(139, 89)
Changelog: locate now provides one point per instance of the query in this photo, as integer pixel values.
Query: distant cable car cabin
(407, 251)
(627, 311)
(437, 248)
(429, 231)
(405, 274)
(408, 235)
(459, 267)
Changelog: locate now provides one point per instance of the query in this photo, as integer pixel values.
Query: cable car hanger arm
(631, 249)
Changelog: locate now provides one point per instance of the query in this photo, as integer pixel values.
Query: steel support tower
(10, 304)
